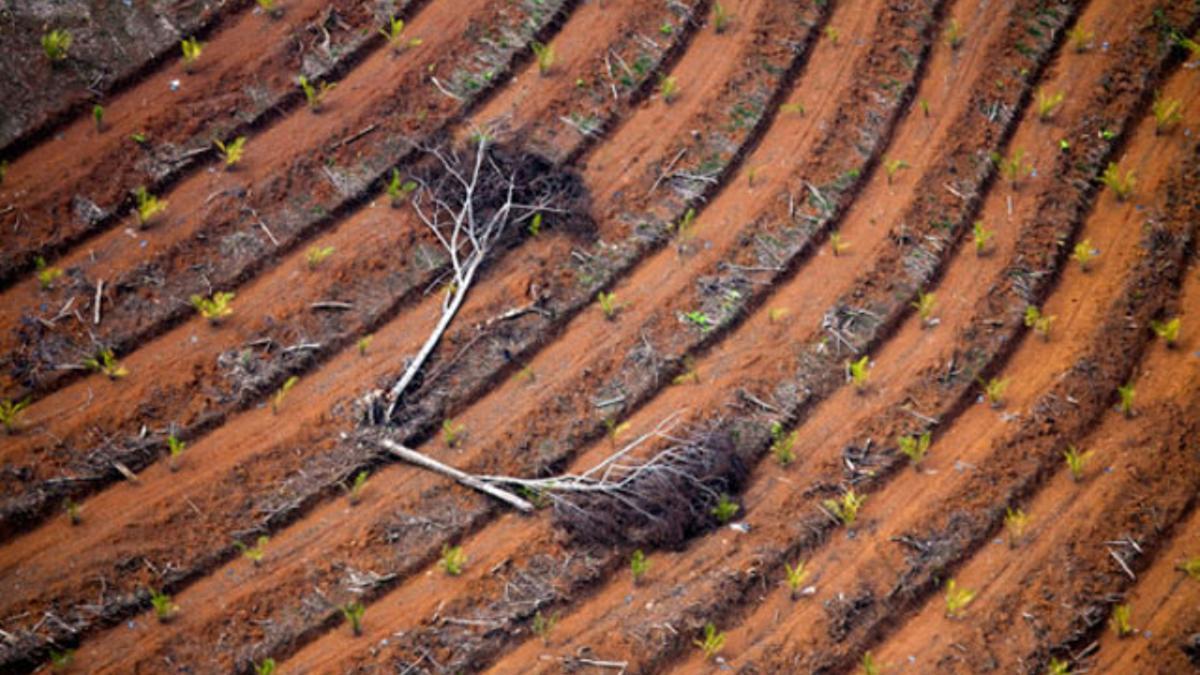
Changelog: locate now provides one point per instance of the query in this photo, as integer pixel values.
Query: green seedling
(666, 28)
(836, 244)
(1014, 168)
(452, 433)
(525, 374)
(1058, 667)
(796, 577)
(713, 641)
(608, 304)
(315, 95)
(689, 375)
(1081, 39)
(924, 103)
(542, 625)
(832, 34)
(777, 314)
(453, 560)
(668, 88)
(56, 44)
(859, 374)
(393, 32)
(615, 429)
(10, 413)
(783, 444)
(61, 661)
(953, 35)
(638, 566)
(700, 320)
(98, 117)
(46, 275)
(1121, 185)
(267, 667)
(148, 205)
(683, 229)
(1077, 461)
(846, 507)
(364, 343)
(1048, 104)
(1064, 145)
(270, 8)
(535, 225)
(74, 511)
(191, 51)
(399, 191)
(720, 18)
(1168, 112)
(104, 362)
(354, 492)
(545, 56)
(353, 611)
(1040, 323)
(1084, 253)
(138, 137)
(1016, 522)
(317, 255)
(255, 553)
(1168, 330)
(1190, 567)
(1126, 393)
(915, 447)
(215, 307)
(725, 509)
(175, 447)
(792, 109)
(164, 608)
(891, 166)
(1120, 621)
(232, 151)
(994, 390)
(981, 236)
(957, 599)
(869, 667)
(925, 304)
(282, 392)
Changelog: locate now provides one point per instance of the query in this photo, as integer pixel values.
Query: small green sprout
(720, 18)
(56, 44)
(837, 244)
(138, 137)
(1122, 186)
(61, 661)
(98, 117)
(846, 507)
(542, 625)
(957, 599)
(684, 227)
(545, 57)
(364, 343)
(1168, 330)
(994, 390)
(317, 255)
(1168, 112)
(981, 236)
(796, 576)
(1084, 253)
(215, 307)
(666, 28)
(924, 103)
(689, 375)
(269, 8)
(452, 433)
(282, 392)
(1077, 461)
(46, 275)
(777, 314)
(1058, 667)
(453, 560)
(232, 152)
(668, 88)
(1016, 521)
(1190, 567)
(1081, 39)
(1048, 104)
(783, 444)
(953, 35)
(891, 166)
(1126, 393)
(638, 566)
(869, 667)
(859, 374)
(699, 319)
(915, 447)
(191, 51)
(792, 109)
(267, 667)
(1064, 145)
(399, 190)
(148, 205)
(1040, 323)
(608, 304)
(104, 362)
(725, 509)
(713, 641)
(10, 413)
(355, 491)
(393, 32)
(255, 553)
(175, 447)
(315, 95)
(74, 511)
(1014, 168)
(832, 34)
(1120, 620)
(614, 429)
(925, 304)
(353, 611)
(164, 608)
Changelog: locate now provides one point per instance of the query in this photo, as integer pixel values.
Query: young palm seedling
(1048, 104)
(452, 433)
(953, 34)
(542, 625)
(545, 57)
(1191, 567)
(1126, 393)
(271, 8)
(1120, 621)
(1121, 185)
(60, 662)
(104, 362)
(993, 391)
(1077, 461)
(393, 32)
(689, 375)
(1058, 667)
(1168, 112)
(353, 611)
(608, 304)
(957, 599)
(699, 319)
(915, 447)
(175, 447)
(925, 304)
(846, 507)
(725, 509)
(858, 373)
(255, 553)
(46, 275)
(535, 225)
(315, 255)
(668, 88)
(453, 560)
(364, 343)
(783, 444)
(74, 511)
(891, 166)
(721, 18)
(191, 52)
(1016, 522)
(777, 314)
(10, 413)
(1081, 39)
(838, 245)
(315, 95)
(164, 608)
(796, 577)
(148, 205)
(56, 44)
(713, 641)
(98, 117)
(615, 429)
(832, 34)
(1084, 253)
(354, 493)
(638, 566)
(397, 190)
(1168, 330)
(214, 308)
(1040, 323)
(282, 392)
(232, 151)
(1014, 168)
(267, 667)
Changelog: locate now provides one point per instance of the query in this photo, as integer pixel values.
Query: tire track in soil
(389, 490)
(69, 188)
(226, 227)
(202, 375)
